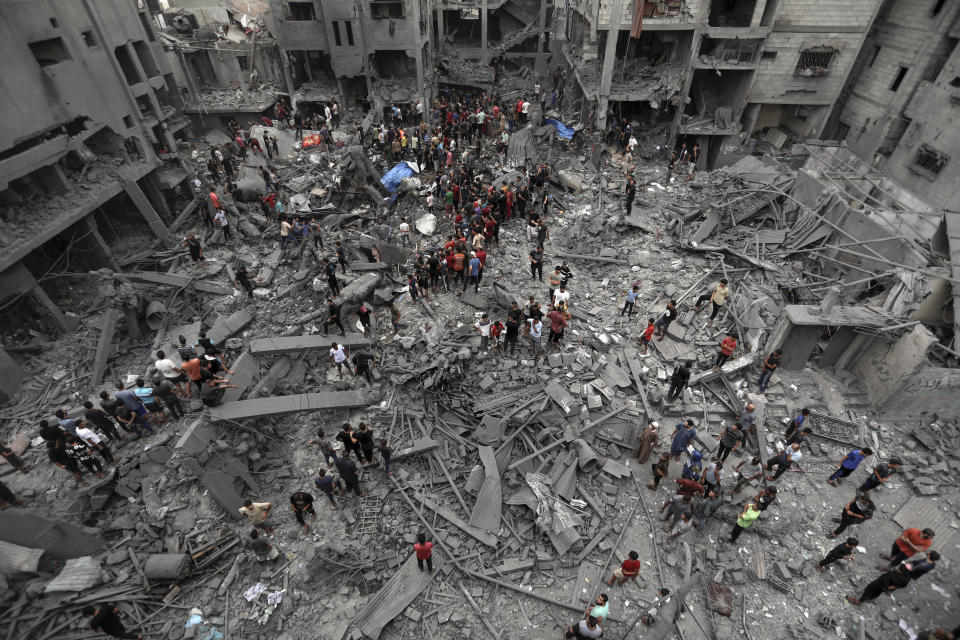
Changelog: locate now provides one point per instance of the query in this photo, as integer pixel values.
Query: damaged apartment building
(718, 73)
(82, 171)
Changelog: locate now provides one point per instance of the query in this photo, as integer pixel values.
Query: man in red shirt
(689, 487)
(727, 347)
(215, 199)
(424, 551)
(629, 570)
(482, 257)
(911, 541)
(557, 323)
(647, 334)
(458, 260)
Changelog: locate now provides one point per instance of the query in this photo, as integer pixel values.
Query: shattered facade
(899, 110)
(714, 73)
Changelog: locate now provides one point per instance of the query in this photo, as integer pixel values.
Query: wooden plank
(395, 595)
(300, 344)
(282, 405)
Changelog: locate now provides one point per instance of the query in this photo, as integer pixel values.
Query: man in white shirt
(172, 372)
(85, 434)
(221, 218)
(534, 331)
(561, 295)
(483, 328)
(525, 110)
(404, 232)
(338, 355)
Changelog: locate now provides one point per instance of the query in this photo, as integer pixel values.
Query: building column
(96, 244)
(485, 56)
(140, 201)
(749, 119)
(358, 11)
(758, 10)
(609, 60)
(155, 194)
(540, 66)
(47, 302)
(439, 25)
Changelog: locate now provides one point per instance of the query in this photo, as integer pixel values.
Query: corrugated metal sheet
(486, 511)
(78, 574)
(14, 558)
(921, 513)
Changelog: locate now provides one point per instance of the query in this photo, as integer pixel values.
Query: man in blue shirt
(631, 299)
(918, 568)
(682, 436)
(797, 423)
(849, 464)
(67, 424)
(473, 272)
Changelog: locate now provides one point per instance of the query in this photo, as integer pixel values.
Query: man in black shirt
(765, 498)
(348, 473)
(880, 474)
(58, 455)
(887, 582)
(364, 438)
(167, 394)
(514, 317)
(631, 191)
(106, 618)
(342, 258)
(363, 364)
(799, 437)
(347, 437)
(679, 379)
(843, 550)
(301, 502)
(668, 316)
(211, 394)
(536, 264)
(770, 365)
(857, 511)
(196, 251)
(333, 317)
(243, 280)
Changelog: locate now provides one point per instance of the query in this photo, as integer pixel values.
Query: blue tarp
(563, 130)
(392, 179)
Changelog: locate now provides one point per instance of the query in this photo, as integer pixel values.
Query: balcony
(659, 14)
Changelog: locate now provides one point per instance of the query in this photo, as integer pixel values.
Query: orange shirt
(914, 536)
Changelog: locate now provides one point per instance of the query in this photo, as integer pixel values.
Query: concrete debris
(442, 462)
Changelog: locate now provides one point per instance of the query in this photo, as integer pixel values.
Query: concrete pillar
(95, 244)
(155, 194)
(540, 66)
(139, 199)
(483, 32)
(609, 61)
(418, 58)
(41, 296)
(188, 74)
(758, 13)
(440, 34)
(358, 11)
(11, 375)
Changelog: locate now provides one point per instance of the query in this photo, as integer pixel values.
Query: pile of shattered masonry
(521, 471)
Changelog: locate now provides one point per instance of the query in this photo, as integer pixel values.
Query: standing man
(327, 484)
(363, 365)
(730, 438)
(536, 264)
(534, 332)
(630, 301)
(256, 514)
(727, 346)
(242, 280)
(682, 436)
(679, 380)
(333, 317)
(514, 318)
(660, 470)
(631, 192)
(424, 552)
(648, 440)
(717, 300)
(770, 365)
(909, 542)
(342, 258)
(663, 322)
(338, 355)
(330, 270)
(172, 373)
(348, 473)
(849, 464)
(797, 422)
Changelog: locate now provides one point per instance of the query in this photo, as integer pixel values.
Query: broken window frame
(814, 62)
(49, 52)
(290, 15)
(928, 162)
(386, 10)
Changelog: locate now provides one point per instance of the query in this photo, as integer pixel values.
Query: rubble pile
(522, 471)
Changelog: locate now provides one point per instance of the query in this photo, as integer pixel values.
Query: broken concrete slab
(229, 326)
(304, 344)
(245, 369)
(171, 280)
(197, 436)
(396, 595)
(283, 405)
(220, 485)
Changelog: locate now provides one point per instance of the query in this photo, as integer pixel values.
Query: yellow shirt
(720, 295)
(255, 513)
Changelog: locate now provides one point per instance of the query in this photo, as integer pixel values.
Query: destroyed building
(531, 474)
(714, 73)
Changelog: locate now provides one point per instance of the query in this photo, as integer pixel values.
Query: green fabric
(748, 517)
